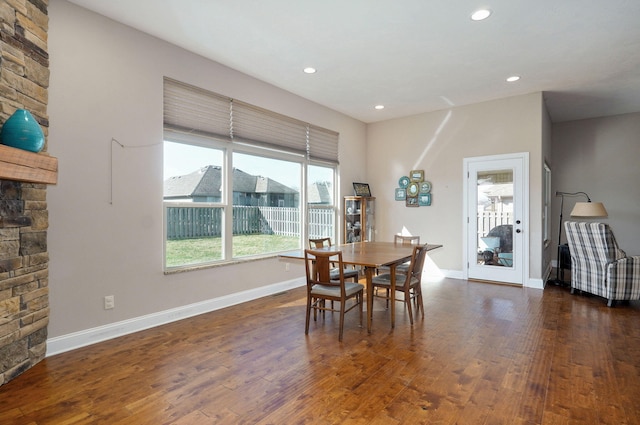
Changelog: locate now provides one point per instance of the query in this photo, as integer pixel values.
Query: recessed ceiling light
(309, 70)
(481, 14)
(513, 78)
(378, 107)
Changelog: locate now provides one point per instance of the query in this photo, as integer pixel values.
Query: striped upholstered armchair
(598, 266)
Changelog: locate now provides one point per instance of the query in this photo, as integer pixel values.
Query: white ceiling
(413, 56)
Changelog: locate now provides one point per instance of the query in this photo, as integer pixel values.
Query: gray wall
(106, 212)
(600, 157)
(437, 143)
(105, 235)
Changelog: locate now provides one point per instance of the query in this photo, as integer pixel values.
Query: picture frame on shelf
(361, 189)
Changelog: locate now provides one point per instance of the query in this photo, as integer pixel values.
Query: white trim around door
(496, 197)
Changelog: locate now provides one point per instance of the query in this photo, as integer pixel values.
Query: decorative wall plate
(403, 182)
(425, 187)
(416, 175)
(411, 202)
(401, 194)
(424, 200)
(413, 189)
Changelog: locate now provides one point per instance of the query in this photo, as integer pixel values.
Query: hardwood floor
(484, 354)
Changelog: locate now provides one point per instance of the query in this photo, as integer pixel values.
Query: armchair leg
(611, 303)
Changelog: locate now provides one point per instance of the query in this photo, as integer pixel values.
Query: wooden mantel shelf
(25, 166)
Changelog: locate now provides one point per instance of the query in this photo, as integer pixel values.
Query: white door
(496, 205)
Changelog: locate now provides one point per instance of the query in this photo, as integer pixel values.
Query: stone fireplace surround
(24, 290)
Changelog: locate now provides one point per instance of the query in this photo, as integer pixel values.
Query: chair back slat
(319, 265)
(419, 254)
(319, 243)
(415, 265)
(406, 240)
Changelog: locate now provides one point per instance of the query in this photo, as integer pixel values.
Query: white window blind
(262, 127)
(323, 144)
(195, 110)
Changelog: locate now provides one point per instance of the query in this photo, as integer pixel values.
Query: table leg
(368, 271)
(392, 295)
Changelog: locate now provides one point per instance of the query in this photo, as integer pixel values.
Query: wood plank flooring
(484, 354)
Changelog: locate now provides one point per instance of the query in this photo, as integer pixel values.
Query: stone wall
(24, 301)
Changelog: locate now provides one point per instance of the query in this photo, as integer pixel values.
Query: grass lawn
(194, 251)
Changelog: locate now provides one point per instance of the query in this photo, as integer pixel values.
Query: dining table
(370, 255)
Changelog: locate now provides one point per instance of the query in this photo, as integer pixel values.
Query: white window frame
(227, 202)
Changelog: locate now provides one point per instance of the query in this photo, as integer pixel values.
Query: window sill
(196, 267)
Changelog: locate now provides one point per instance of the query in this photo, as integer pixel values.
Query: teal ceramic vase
(22, 131)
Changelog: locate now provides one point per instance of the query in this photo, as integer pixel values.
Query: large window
(194, 207)
(321, 211)
(266, 205)
(250, 184)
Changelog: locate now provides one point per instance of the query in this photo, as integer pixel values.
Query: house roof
(504, 190)
(319, 193)
(207, 181)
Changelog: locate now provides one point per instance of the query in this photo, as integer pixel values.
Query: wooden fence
(487, 220)
(201, 222)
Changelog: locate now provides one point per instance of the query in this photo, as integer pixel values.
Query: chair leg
(420, 302)
(611, 303)
(360, 299)
(407, 300)
(315, 309)
(306, 325)
(341, 321)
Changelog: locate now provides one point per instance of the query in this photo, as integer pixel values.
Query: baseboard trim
(72, 341)
(452, 274)
(75, 340)
(535, 283)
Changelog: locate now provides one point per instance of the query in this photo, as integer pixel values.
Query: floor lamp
(581, 209)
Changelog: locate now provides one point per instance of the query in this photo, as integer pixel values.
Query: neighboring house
(319, 193)
(495, 198)
(203, 185)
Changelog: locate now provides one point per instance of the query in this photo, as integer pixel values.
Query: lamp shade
(589, 209)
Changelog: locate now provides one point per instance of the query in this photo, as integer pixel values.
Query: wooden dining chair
(401, 240)
(405, 240)
(409, 283)
(326, 242)
(321, 287)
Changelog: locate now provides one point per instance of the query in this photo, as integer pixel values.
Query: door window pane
(495, 217)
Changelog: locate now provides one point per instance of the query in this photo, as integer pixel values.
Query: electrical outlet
(109, 302)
